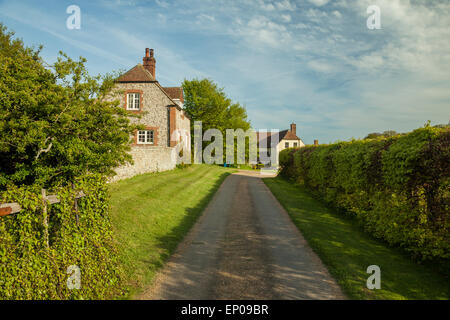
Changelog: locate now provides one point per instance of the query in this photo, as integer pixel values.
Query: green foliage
(56, 129)
(385, 134)
(31, 270)
(204, 101)
(397, 187)
(54, 123)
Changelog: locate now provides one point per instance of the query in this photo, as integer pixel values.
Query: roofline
(161, 87)
(135, 81)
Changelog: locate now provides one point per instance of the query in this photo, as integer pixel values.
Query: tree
(205, 101)
(54, 123)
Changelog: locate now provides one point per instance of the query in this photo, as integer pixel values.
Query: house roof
(137, 74)
(175, 92)
(288, 135)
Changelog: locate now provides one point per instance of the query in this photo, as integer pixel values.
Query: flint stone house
(286, 139)
(157, 147)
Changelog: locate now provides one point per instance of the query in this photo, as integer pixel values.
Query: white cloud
(319, 3)
(337, 14)
(320, 66)
(285, 5)
(266, 6)
(261, 31)
(206, 17)
(286, 18)
(162, 4)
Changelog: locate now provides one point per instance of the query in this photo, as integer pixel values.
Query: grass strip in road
(151, 214)
(347, 251)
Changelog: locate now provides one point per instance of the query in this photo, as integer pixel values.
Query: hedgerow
(397, 187)
(81, 236)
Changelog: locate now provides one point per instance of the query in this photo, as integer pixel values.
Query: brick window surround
(155, 138)
(141, 100)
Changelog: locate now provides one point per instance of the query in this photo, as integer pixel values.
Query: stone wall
(147, 160)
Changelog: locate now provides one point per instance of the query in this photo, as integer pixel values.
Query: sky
(311, 62)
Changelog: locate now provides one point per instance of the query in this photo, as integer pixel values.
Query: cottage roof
(175, 92)
(137, 74)
(282, 135)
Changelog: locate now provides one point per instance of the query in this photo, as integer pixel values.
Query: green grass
(347, 251)
(152, 213)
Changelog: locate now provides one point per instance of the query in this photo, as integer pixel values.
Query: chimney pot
(149, 61)
(293, 128)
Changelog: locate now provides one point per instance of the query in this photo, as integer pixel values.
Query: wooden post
(45, 216)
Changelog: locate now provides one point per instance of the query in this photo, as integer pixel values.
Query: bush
(31, 270)
(397, 187)
(55, 123)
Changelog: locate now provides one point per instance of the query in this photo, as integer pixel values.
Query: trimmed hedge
(31, 270)
(397, 187)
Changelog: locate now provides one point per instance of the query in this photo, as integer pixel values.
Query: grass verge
(347, 251)
(151, 214)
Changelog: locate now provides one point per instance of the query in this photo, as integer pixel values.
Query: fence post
(45, 216)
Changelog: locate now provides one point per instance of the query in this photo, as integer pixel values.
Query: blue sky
(312, 62)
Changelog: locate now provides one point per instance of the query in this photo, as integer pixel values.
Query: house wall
(155, 115)
(281, 145)
(153, 110)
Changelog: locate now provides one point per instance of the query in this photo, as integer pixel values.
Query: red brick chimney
(149, 61)
(294, 128)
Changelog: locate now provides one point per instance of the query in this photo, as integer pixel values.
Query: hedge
(397, 187)
(29, 269)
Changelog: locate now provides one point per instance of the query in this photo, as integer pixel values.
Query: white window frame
(147, 135)
(133, 101)
(286, 145)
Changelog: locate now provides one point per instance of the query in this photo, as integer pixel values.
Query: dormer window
(133, 101)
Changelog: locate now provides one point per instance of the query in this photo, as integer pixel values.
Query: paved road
(244, 247)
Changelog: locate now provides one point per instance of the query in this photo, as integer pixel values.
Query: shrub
(397, 187)
(55, 124)
(31, 270)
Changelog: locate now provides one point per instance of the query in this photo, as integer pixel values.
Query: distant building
(286, 139)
